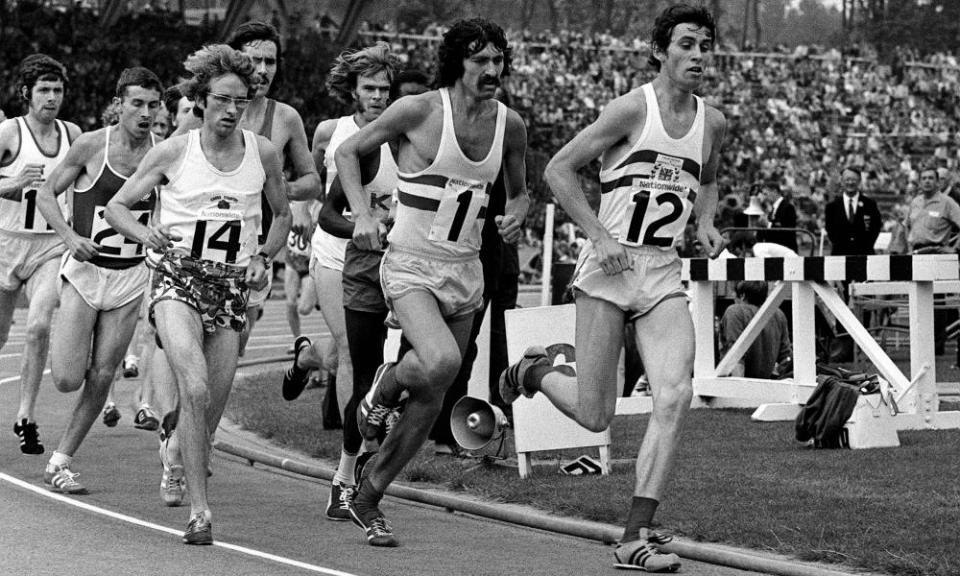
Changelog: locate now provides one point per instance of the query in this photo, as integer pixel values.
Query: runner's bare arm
(705, 206)
(331, 219)
(514, 177)
(321, 139)
(613, 125)
(65, 174)
(306, 184)
(12, 187)
(273, 188)
(152, 171)
(404, 115)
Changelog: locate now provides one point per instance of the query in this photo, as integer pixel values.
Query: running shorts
(457, 285)
(216, 291)
(655, 277)
(104, 288)
(22, 254)
(361, 280)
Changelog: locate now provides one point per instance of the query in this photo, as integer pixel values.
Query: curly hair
(351, 64)
(211, 62)
(38, 67)
(254, 31)
(464, 39)
(669, 19)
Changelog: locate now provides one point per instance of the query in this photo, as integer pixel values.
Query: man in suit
(782, 215)
(852, 220)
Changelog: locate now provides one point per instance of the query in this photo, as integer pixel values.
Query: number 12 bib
(656, 215)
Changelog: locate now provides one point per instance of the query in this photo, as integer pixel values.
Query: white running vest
(217, 214)
(22, 215)
(327, 248)
(441, 208)
(647, 195)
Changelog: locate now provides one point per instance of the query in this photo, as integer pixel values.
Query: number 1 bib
(458, 215)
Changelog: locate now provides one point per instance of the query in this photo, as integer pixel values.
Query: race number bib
(656, 215)
(31, 220)
(112, 243)
(297, 244)
(218, 235)
(457, 216)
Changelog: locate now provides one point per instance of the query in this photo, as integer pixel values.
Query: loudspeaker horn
(475, 422)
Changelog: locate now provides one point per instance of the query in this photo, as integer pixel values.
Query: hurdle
(806, 278)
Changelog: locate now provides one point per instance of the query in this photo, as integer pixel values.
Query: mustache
(492, 80)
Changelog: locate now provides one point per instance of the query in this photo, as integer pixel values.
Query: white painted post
(923, 399)
(547, 261)
(804, 337)
(704, 363)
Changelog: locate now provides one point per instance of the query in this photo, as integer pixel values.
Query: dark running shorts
(361, 280)
(216, 291)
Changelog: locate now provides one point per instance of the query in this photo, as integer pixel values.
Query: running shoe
(131, 366)
(374, 525)
(199, 530)
(62, 480)
(146, 419)
(338, 503)
(512, 379)
(29, 437)
(295, 379)
(372, 414)
(172, 486)
(111, 415)
(643, 555)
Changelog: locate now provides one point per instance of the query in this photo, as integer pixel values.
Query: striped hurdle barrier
(806, 278)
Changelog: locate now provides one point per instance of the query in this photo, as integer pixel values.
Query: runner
(453, 142)
(31, 146)
(103, 277)
(659, 147)
(206, 228)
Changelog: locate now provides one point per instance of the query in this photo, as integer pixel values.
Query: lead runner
(659, 147)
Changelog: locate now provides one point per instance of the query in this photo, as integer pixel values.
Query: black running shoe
(199, 531)
(296, 378)
(511, 379)
(29, 437)
(338, 504)
(375, 526)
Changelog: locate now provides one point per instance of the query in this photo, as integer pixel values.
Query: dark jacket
(856, 237)
(784, 217)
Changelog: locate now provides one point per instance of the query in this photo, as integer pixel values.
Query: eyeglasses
(224, 100)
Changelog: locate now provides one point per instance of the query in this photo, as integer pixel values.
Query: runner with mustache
(453, 142)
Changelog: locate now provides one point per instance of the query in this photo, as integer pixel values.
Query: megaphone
(475, 422)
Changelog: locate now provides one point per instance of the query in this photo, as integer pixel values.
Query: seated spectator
(769, 354)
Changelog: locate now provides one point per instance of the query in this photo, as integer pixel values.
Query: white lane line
(144, 524)
(17, 378)
(14, 355)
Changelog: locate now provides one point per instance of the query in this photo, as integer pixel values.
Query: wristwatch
(266, 259)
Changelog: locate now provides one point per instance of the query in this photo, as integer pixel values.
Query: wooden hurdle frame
(806, 278)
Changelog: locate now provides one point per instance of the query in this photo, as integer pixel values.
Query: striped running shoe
(643, 555)
(512, 379)
(373, 412)
(172, 486)
(62, 480)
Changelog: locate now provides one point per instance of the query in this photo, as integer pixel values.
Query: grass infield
(735, 482)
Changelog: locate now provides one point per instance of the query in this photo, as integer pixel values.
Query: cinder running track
(265, 522)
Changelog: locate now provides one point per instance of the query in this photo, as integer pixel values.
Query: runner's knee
(38, 331)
